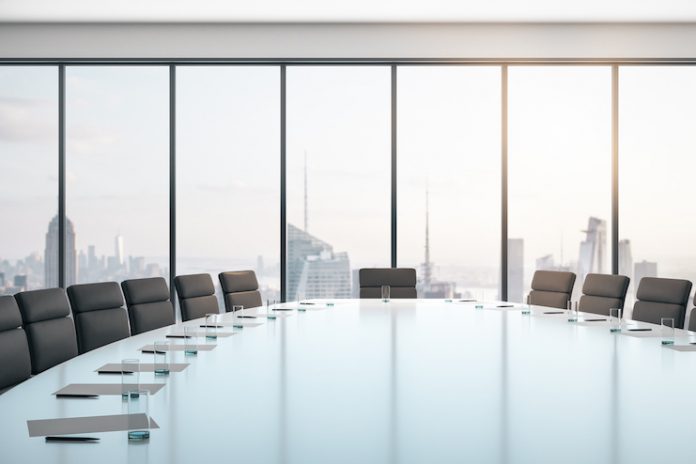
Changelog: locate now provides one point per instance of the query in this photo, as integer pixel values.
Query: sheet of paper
(91, 424)
(105, 388)
(181, 347)
(143, 367)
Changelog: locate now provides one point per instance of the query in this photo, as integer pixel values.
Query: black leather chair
(196, 295)
(658, 298)
(240, 288)
(50, 330)
(148, 303)
(14, 349)
(99, 315)
(402, 282)
(552, 288)
(602, 292)
(692, 318)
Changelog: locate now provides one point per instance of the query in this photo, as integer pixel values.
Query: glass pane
(657, 165)
(559, 173)
(28, 178)
(338, 177)
(449, 179)
(117, 168)
(228, 172)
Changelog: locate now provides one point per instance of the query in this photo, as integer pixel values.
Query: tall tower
(119, 250)
(51, 254)
(306, 229)
(427, 265)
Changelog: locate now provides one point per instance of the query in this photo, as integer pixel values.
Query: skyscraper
(427, 265)
(119, 250)
(51, 254)
(625, 258)
(314, 270)
(515, 269)
(593, 250)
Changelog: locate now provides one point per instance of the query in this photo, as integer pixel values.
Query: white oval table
(409, 381)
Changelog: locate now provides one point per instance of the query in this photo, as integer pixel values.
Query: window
(338, 177)
(29, 177)
(656, 166)
(449, 179)
(559, 153)
(117, 168)
(228, 172)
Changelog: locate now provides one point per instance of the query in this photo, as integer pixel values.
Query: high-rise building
(593, 250)
(51, 254)
(314, 270)
(546, 263)
(625, 258)
(119, 250)
(428, 287)
(515, 269)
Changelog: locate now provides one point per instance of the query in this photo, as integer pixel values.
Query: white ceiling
(347, 11)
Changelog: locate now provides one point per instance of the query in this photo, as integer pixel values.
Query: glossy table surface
(409, 381)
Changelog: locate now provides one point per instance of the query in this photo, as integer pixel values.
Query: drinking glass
(269, 311)
(161, 357)
(667, 324)
(479, 301)
(211, 326)
(572, 311)
(138, 406)
(527, 308)
(615, 320)
(386, 293)
(130, 377)
(191, 340)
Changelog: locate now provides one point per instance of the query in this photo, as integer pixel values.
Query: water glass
(138, 406)
(667, 324)
(190, 341)
(130, 377)
(269, 312)
(615, 320)
(211, 323)
(572, 311)
(161, 357)
(479, 301)
(527, 308)
(386, 293)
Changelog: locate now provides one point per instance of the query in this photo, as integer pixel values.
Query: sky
(228, 133)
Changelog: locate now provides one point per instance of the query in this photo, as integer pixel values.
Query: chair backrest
(100, 317)
(149, 307)
(240, 289)
(50, 330)
(402, 282)
(196, 295)
(601, 292)
(692, 318)
(552, 288)
(15, 362)
(658, 298)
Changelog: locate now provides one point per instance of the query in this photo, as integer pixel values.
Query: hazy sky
(449, 138)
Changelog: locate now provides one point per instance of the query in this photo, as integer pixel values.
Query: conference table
(404, 381)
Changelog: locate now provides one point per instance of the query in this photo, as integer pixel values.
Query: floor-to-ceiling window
(657, 145)
(559, 133)
(228, 171)
(28, 177)
(339, 173)
(117, 172)
(338, 177)
(449, 122)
